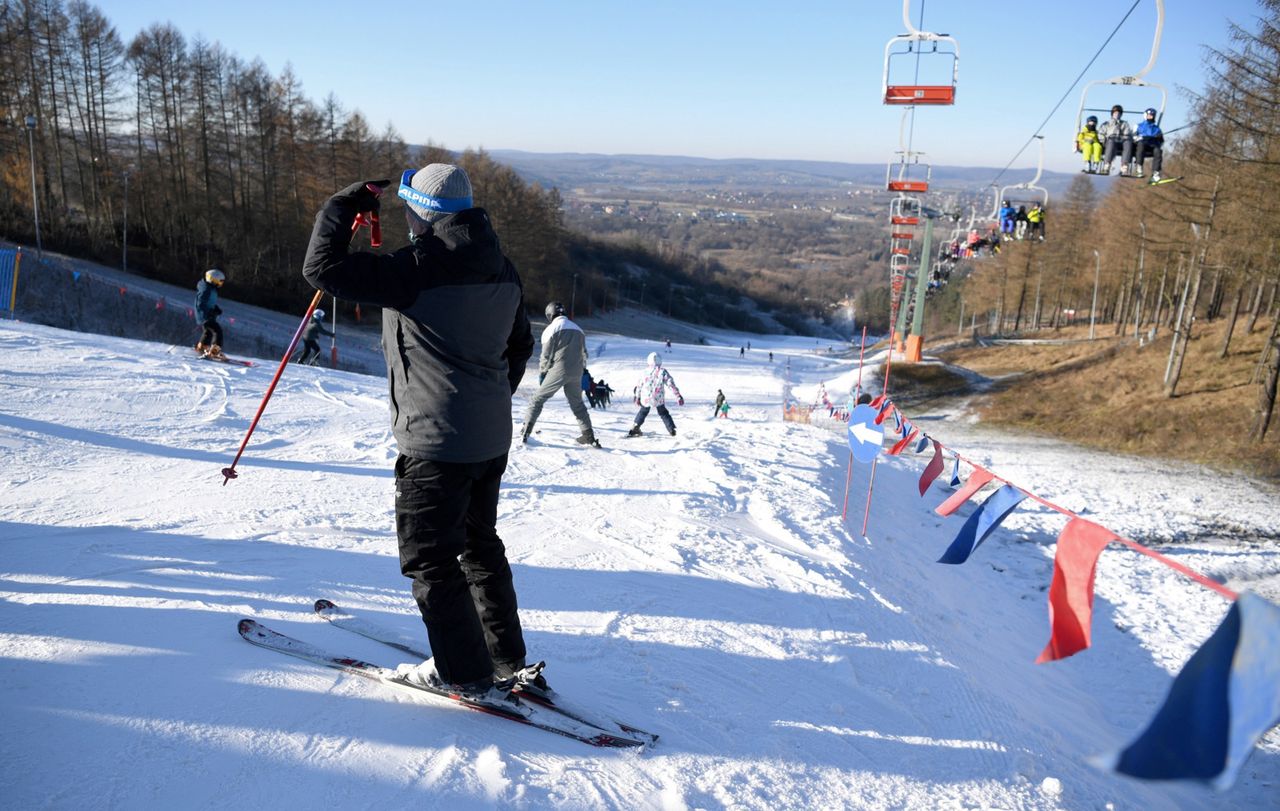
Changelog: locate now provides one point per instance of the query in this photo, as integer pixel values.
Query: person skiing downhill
(456, 340)
(310, 341)
(207, 312)
(649, 393)
(560, 368)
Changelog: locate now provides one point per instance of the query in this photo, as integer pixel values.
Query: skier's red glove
(679, 401)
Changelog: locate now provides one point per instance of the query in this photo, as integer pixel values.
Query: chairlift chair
(904, 210)
(1087, 107)
(1039, 193)
(917, 42)
(904, 183)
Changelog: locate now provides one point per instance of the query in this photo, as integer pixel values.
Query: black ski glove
(363, 196)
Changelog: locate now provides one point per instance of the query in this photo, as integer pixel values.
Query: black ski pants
(310, 350)
(446, 514)
(211, 332)
(1156, 153)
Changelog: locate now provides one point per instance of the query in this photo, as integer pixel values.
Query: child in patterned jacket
(649, 393)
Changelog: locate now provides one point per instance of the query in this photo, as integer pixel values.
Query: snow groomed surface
(702, 586)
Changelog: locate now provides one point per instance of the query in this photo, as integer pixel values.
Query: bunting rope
(1202, 579)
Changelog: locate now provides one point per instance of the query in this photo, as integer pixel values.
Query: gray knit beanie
(436, 190)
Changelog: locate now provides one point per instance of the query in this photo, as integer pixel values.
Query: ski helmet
(317, 314)
(1093, 119)
(1150, 111)
(554, 310)
(215, 276)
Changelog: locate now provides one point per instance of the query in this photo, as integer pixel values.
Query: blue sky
(712, 79)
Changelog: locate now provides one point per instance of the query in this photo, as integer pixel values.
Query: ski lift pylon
(916, 41)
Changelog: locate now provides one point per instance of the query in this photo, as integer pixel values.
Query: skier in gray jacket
(1117, 136)
(564, 356)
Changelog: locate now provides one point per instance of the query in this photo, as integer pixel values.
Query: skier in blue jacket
(1008, 216)
(1150, 140)
(207, 312)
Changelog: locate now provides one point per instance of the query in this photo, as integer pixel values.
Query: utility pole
(124, 231)
(35, 200)
(1142, 255)
(573, 298)
(1093, 309)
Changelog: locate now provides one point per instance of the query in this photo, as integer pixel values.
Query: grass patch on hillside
(1109, 393)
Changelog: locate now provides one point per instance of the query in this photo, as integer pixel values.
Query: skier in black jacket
(456, 339)
(310, 338)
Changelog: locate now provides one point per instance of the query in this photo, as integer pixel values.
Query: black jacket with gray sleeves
(454, 329)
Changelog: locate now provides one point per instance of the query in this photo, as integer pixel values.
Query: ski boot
(215, 352)
(201, 348)
(484, 692)
(516, 676)
(1137, 171)
(1155, 177)
(673, 432)
(588, 438)
(635, 431)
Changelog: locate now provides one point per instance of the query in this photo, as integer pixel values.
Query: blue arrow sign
(866, 439)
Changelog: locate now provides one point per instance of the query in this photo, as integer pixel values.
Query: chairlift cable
(1069, 90)
(911, 133)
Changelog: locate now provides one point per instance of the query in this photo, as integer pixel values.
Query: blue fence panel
(9, 262)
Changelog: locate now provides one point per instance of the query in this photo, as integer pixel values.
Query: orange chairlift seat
(903, 182)
(904, 210)
(917, 42)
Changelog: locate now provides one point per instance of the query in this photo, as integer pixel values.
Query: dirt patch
(912, 384)
(1109, 393)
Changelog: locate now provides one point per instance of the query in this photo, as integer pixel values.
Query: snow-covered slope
(703, 586)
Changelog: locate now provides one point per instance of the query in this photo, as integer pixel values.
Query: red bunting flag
(1071, 594)
(977, 480)
(887, 409)
(901, 444)
(159, 304)
(122, 291)
(877, 402)
(931, 470)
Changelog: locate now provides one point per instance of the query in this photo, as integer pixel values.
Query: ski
(1163, 181)
(518, 710)
(407, 645)
(225, 359)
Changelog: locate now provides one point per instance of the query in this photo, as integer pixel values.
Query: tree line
(1167, 257)
(212, 161)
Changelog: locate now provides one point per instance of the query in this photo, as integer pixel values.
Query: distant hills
(574, 170)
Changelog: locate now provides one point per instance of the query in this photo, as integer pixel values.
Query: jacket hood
(654, 360)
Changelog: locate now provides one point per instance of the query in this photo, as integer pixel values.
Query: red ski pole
(229, 473)
(369, 218)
